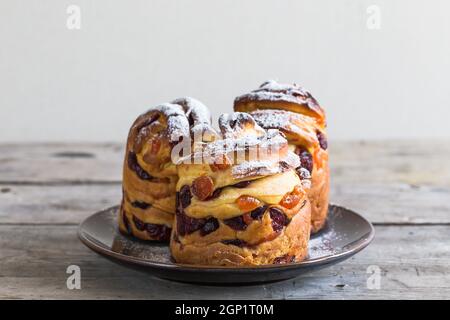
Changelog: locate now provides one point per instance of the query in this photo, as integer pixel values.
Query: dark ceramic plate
(345, 234)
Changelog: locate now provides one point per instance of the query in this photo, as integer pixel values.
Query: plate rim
(92, 244)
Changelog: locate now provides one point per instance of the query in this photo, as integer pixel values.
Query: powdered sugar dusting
(274, 91)
(198, 117)
(289, 122)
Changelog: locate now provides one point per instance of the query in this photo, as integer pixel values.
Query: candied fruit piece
(203, 187)
(290, 200)
(247, 203)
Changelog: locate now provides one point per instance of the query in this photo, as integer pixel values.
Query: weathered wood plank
(66, 204)
(401, 162)
(70, 204)
(414, 263)
(406, 162)
(58, 163)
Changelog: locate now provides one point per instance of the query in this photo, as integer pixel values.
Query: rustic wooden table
(46, 190)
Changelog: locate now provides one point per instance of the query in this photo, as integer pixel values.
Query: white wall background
(89, 85)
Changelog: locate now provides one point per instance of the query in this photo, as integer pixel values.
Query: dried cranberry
(306, 159)
(279, 219)
(215, 194)
(211, 225)
(134, 166)
(242, 184)
(141, 205)
(158, 231)
(187, 225)
(322, 140)
(126, 222)
(284, 259)
(139, 224)
(258, 212)
(236, 223)
(235, 242)
(185, 196)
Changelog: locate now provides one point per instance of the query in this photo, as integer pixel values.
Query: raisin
(134, 166)
(322, 140)
(247, 203)
(211, 225)
(279, 219)
(126, 222)
(306, 159)
(236, 223)
(139, 224)
(187, 225)
(158, 231)
(214, 195)
(141, 205)
(258, 212)
(185, 196)
(202, 187)
(284, 259)
(242, 184)
(235, 242)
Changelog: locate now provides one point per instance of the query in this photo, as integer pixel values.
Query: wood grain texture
(402, 186)
(70, 204)
(415, 163)
(384, 181)
(413, 262)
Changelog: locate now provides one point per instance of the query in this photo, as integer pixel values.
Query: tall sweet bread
(294, 111)
(149, 174)
(240, 201)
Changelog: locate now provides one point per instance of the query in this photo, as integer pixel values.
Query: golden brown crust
(302, 132)
(289, 245)
(274, 95)
(293, 111)
(149, 175)
(224, 219)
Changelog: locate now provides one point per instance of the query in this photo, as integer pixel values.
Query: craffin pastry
(295, 112)
(240, 201)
